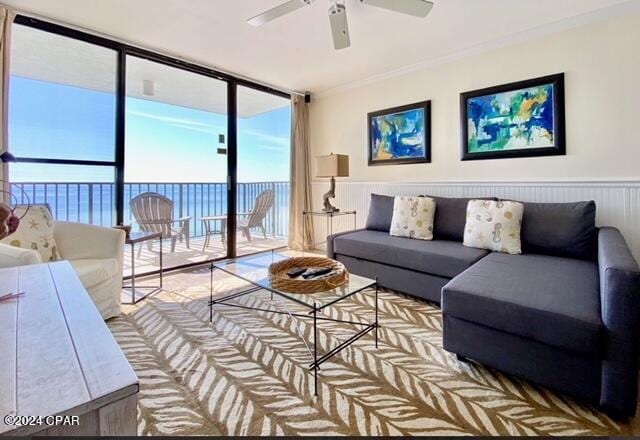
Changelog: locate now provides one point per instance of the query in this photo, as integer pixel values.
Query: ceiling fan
(338, 14)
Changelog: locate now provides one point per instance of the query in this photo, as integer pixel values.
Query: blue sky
(164, 143)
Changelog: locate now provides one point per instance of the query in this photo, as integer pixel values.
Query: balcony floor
(149, 260)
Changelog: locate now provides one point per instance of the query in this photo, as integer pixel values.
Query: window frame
(122, 51)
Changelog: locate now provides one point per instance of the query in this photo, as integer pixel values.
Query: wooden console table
(58, 358)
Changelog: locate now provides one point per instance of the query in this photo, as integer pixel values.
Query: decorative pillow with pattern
(35, 232)
(413, 217)
(494, 226)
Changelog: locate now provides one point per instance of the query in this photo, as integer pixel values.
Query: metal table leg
(207, 232)
(376, 321)
(315, 348)
(161, 263)
(133, 273)
(211, 268)
(132, 284)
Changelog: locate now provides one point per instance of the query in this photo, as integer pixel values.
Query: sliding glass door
(264, 150)
(175, 157)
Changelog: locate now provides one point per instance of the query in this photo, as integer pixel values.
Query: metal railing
(94, 202)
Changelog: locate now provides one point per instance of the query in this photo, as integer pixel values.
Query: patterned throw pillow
(413, 217)
(35, 232)
(494, 226)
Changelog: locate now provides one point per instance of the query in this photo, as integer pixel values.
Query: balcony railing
(94, 202)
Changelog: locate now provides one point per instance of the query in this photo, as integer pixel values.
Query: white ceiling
(52, 58)
(295, 51)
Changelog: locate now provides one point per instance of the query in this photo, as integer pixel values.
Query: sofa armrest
(78, 241)
(330, 251)
(620, 304)
(11, 256)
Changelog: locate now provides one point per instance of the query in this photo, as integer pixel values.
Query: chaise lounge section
(419, 268)
(564, 314)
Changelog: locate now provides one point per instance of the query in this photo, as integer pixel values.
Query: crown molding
(617, 10)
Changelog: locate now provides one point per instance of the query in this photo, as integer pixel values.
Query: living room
(409, 218)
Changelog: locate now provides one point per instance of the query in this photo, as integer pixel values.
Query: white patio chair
(255, 218)
(154, 213)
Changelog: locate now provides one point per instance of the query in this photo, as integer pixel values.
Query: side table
(209, 229)
(329, 216)
(133, 239)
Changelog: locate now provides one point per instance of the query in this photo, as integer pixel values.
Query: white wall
(601, 63)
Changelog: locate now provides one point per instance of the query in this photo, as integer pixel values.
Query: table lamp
(333, 165)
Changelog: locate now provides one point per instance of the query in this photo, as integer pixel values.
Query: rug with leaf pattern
(246, 374)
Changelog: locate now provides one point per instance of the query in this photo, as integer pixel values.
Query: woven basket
(281, 281)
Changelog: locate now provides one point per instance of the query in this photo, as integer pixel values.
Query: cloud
(168, 119)
(260, 139)
(194, 128)
(268, 147)
(268, 138)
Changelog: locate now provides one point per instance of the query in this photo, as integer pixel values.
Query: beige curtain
(300, 176)
(6, 18)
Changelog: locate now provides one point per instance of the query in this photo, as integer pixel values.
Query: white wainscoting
(617, 202)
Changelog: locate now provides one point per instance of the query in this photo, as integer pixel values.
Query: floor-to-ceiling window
(62, 107)
(264, 152)
(94, 123)
(175, 153)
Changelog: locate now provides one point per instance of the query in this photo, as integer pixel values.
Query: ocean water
(94, 203)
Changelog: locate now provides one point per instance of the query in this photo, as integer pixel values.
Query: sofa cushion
(451, 216)
(561, 229)
(93, 272)
(494, 226)
(552, 300)
(442, 258)
(35, 232)
(413, 217)
(380, 213)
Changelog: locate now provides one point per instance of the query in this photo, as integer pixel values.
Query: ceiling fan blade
(278, 11)
(417, 8)
(339, 26)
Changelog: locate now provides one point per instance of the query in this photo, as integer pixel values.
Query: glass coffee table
(255, 271)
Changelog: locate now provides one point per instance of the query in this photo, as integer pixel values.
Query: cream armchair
(95, 253)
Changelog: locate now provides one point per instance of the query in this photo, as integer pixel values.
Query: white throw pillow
(35, 232)
(494, 226)
(413, 217)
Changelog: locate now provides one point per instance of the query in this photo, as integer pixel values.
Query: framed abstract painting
(400, 135)
(521, 119)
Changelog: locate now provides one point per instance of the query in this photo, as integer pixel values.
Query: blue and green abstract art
(511, 120)
(399, 136)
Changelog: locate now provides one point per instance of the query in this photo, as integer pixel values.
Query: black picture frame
(423, 105)
(559, 147)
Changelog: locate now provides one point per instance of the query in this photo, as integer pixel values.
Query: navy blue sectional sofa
(565, 313)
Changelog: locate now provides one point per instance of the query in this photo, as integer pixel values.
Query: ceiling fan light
(338, 14)
(339, 26)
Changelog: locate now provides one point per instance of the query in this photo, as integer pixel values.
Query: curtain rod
(36, 16)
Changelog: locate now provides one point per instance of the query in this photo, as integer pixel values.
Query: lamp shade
(333, 165)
